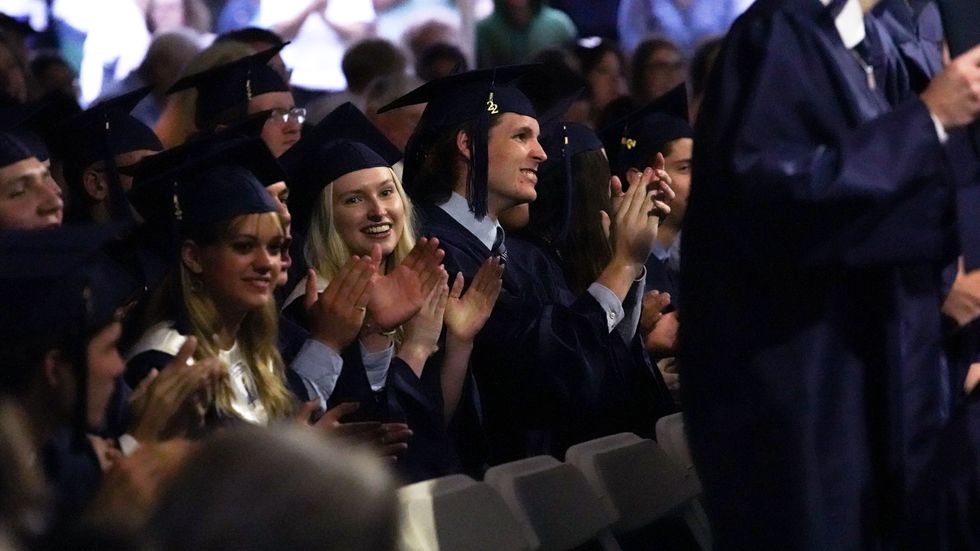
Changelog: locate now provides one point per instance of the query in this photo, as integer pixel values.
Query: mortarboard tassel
(569, 183)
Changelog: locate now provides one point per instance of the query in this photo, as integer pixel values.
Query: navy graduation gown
(548, 372)
(811, 287)
(406, 398)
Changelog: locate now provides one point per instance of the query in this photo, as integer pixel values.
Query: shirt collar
(485, 230)
(849, 22)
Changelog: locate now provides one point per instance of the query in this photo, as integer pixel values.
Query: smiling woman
(221, 290)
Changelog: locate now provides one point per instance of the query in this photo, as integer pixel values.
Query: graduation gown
(547, 371)
(811, 286)
(406, 398)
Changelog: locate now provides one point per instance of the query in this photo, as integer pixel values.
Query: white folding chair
(458, 513)
(640, 482)
(553, 502)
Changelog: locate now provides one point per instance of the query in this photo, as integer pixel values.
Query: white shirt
(246, 403)
(316, 50)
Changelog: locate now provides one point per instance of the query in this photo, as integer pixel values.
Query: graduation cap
(59, 284)
(25, 122)
(99, 134)
(345, 141)
(568, 140)
(631, 141)
(204, 182)
(454, 101)
(107, 129)
(12, 150)
(234, 84)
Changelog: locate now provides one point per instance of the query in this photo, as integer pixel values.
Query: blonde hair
(176, 123)
(326, 252)
(257, 335)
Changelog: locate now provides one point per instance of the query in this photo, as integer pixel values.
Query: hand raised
(636, 222)
(173, 402)
(467, 313)
(399, 295)
(336, 315)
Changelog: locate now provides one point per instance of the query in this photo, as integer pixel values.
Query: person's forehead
(270, 100)
(360, 179)
(24, 167)
(513, 121)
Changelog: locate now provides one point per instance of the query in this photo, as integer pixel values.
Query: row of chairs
(606, 488)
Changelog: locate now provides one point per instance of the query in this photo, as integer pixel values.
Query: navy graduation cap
(107, 129)
(226, 87)
(204, 182)
(12, 150)
(562, 145)
(455, 100)
(99, 134)
(60, 284)
(343, 142)
(32, 123)
(634, 139)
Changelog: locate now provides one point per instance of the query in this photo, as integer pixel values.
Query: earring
(197, 285)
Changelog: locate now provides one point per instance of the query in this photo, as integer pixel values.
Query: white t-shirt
(245, 402)
(316, 50)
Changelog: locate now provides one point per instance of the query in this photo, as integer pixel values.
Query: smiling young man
(29, 198)
(661, 127)
(475, 154)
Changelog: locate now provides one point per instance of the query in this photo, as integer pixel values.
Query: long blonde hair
(326, 252)
(257, 335)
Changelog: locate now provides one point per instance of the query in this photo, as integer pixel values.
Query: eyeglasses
(297, 114)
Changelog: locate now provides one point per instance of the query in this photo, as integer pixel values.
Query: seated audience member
(220, 291)
(63, 301)
(53, 74)
(701, 63)
(517, 29)
(96, 144)
(277, 489)
(352, 204)
(475, 155)
(177, 122)
(363, 62)
(61, 319)
(569, 220)
(166, 57)
(602, 67)
(13, 74)
(228, 93)
(657, 67)
(397, 126)
(259, 40)
(660, 129)
(440, 60)
(29, 198)
(419, 37)
(229, 236)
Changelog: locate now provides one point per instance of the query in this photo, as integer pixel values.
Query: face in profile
(105, 365)
(368, 209)
(29, 198)
(514, 157)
